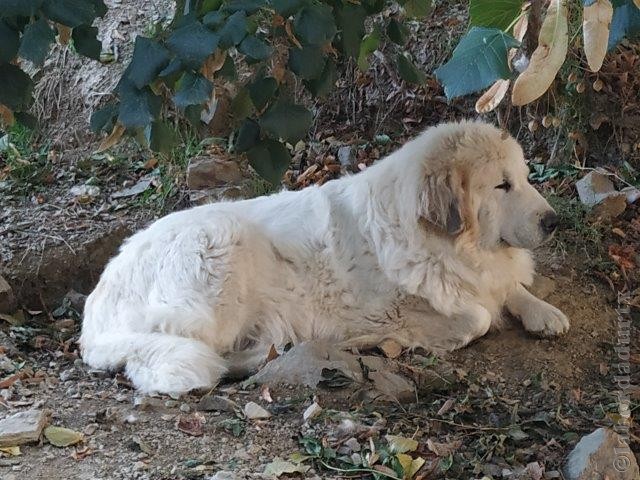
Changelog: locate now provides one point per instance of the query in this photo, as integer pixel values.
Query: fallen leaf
(446, 406)
(62, 437)
(192, 424)
(547, 58)
(401, 444)
(112, 139)
(273, 353)
(623, 256)
(492, 97)
(390, 348)
(279, 467)
(596, 19)
(265, 394)
(13, 451)
(443, 449)
(64, 34)
(80, 453)
(6, 115)
(11, 379)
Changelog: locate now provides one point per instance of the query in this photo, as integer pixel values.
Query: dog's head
(476, 188)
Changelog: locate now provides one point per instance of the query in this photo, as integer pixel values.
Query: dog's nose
(549, 222)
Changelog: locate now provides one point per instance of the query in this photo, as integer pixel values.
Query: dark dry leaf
(192, 424)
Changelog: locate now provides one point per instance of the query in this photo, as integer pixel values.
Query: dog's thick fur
(426, 247)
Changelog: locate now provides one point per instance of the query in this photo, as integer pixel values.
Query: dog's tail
(155, 362)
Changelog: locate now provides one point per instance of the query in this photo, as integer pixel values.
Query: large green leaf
(350, 19)
(307, 62)
(149, 59)
(321, 86)
(99, 7)
(249, 6)
(9, 42)
(209, 6)
(369, 45)
(192, 89)
(397, 32)
(193, 43)
(71, 13)
(137, 108)
(262, 91)
(241, 105)
(228, 69)
(163, 138)
(408, 71)
(248, 136)
(286, 8)
(625, 22)
(270, 159)
(417, 8)
(85, 41)
(104, 118)
(287, 121)
(16, 87)
(255, 49)
(214, 19)
(314, 25)
(234, 30)
(492, 13)
(23, 8)
(373, 6)
(36, 41)
(479, 60)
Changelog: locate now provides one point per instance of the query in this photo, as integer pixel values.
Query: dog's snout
(549, 222)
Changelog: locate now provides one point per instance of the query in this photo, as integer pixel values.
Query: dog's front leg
(537, 316)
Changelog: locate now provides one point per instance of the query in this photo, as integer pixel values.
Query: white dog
(426, 247)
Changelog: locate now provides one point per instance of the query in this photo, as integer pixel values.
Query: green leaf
(228, 69)
(214, 19)
(369, 45)
(262, 90)
(307, 62)
(314, 25)
(625, 23)
(234, 30)
(209, 6)
(149, 59)
(490, 13)
(104, 118)
(286, 8)
(36, 41)
(397, 32)
(417, 8)
(248, 6)
(193, 114)
(19, 8)
(137, 108)
(16, 87)
(248, 136)
(241, 105)
(322, 85)
(163, 137)
(192, 89)
(26, 119)
(350, 19)
(479, 60)
(71, 13)
(174, 66)
(99, 7)
(270, 159)
(62, 437)
(287, 121)
(9, 42)
(255, 49)
(193, 43)
(85, 41)
(408, 71)
(373, 6)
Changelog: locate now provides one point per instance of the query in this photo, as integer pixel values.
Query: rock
(610, 207)
(312, 411)
(227, 192)
(542, 286)
(76, 300)
(85, 193)
(632, 194)
(393, 386)
(23, 427)
(8, 302)
(217, 403)
(135, 190)
(185, 408)
(208, 172)
(346, 156)
(304, 365)
(223, 475)
(594, 187)
(253, 411)
(601, 455)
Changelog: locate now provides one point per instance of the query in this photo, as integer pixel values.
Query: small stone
(346, 156)
(312, 411)
(68, 374)
(217, 403)
(8, 302)
(224, 475)
(353, 444)
(601, 454)
(171, 404)
(90, 429)
(594, 187)
(185, 408)
(131, 418)
(253, 411)
(23, 427)
(208, 172)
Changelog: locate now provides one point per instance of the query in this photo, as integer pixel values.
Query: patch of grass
(24, 159)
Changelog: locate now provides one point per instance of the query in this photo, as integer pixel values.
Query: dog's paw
(545, 320)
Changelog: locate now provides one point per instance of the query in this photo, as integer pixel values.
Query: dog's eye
(505, 185)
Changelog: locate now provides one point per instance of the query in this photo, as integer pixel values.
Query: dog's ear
(444, 201)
